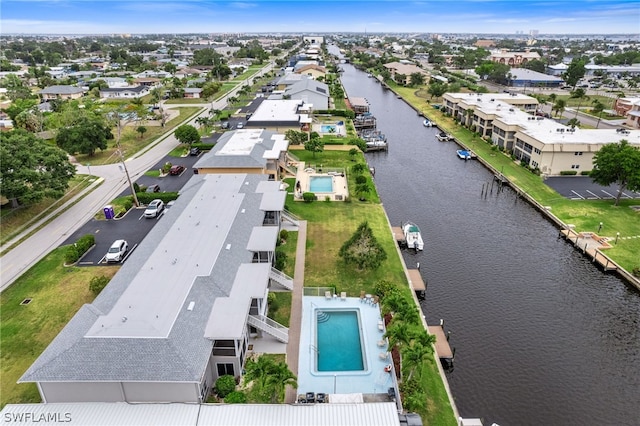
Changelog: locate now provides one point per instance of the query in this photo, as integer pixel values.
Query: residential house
(185, 306)
(289, 79)
(281, 115)
(254, 151)
(310, 91)
(129, 92)
(311, 71)
(61, 92)
(148, 82)
(192, 92)
(633, 115)
(401, 72)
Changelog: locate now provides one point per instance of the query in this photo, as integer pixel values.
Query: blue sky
(207, 16)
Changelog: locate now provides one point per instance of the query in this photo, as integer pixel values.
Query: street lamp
(617, 236)
(600, 227)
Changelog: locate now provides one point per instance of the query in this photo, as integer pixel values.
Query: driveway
(582, 187)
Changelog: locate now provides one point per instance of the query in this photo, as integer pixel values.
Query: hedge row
(147, 197)
(79, 248)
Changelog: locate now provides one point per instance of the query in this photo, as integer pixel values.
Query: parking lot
(583, 188)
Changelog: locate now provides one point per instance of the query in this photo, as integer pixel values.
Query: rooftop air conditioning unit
(511, 110)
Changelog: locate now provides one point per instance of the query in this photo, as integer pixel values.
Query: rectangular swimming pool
(328, 128)
(338, 341)
(321, 184)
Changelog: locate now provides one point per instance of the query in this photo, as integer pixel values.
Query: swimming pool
(338, 341)
(321, 184)
(328, 128)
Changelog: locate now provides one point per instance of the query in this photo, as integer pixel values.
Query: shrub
(363, 249)
(585, 173)
(361, 179)
(281, 259)
(166, 167)
(225, 385)
(236, 397)
(147, 197)
(284, 234)
(308, 197)
(636, 271)
(568, 172)
(71, 255)
(79, 248)
(383, 288)
(98, 283)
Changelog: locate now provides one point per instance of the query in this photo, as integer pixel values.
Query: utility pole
(124, 165)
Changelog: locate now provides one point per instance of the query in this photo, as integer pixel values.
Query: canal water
(542, 336)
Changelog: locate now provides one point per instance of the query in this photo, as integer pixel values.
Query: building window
(537, 151)
(577, 153)
(534, 164)
(225, 369)
(575, 166)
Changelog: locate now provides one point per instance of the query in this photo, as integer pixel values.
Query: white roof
(277, 110)
(262, 238)
(241, 142)
(117, 413)
(280, 145)
(152, 300)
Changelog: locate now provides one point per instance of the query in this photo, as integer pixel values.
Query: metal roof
(263, 238)
(116, 414)
(273, 201)
(244, 148)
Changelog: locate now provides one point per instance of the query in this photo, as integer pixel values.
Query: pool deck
(303, 178)
(373, 379)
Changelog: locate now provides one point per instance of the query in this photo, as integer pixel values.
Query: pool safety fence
(317, 291)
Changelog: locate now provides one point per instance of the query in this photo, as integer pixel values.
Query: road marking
(592, 194)
(626, 195)
(581, 197)
(607, 193)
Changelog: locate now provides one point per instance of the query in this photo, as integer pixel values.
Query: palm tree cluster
(267, 379)
(409, 341)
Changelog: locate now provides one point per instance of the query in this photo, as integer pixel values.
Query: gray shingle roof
(183, 354)
(60, 90)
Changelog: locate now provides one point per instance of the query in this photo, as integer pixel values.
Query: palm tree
(598, 108)
(559, 106)
(399, 334)
(414, 355)
(279, 378)
(579, 94)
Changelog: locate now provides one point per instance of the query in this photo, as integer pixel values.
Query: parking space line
(593, 194)
(581, 197)
(607, 193)
(626, 195)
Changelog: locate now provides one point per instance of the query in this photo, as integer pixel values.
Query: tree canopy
(31, 169)
(574, 72)
(84, 137)
(363, 249)
(617, 163)
(314, 144)
(187, 134)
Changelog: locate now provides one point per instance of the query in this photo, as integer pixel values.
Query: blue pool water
(321, 184)
(338, 341)
(328, 128)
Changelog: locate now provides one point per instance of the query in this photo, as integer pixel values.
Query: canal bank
(541, 335)
(596, 255)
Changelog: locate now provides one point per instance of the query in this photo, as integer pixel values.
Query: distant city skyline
(266, 16)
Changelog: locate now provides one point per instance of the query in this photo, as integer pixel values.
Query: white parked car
(154, 209)
(117, 251)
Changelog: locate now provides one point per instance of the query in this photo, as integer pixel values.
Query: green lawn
(329, 225)
(57, 292)
(131, 142)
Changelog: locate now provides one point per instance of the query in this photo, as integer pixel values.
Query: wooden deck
(442, 344)
(416, 281)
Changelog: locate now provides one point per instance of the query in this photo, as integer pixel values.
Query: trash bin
(108, 212)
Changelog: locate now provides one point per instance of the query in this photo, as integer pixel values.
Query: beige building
(61, 92)
(513, 59)
(251, 151)
(633, 115)
(401, 72)
(539, 142)
(312, 71)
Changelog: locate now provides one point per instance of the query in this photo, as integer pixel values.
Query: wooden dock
(443, 350)
(591, 245)
(417, 283)
(398, 235)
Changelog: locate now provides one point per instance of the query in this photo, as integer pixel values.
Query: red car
(176, 170)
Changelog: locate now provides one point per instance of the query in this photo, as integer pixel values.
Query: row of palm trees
(559, 105)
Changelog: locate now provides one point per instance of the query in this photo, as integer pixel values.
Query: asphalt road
(60, 225)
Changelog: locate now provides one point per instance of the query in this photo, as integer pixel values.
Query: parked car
(154, 209)
(176, 169)
(224, 125)
(153, 188)
(240, 126)
(117, 251)
(195, 151)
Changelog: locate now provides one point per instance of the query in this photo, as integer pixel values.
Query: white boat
(412, 236)
(463, 154)
(443, 137)
(427, 123)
